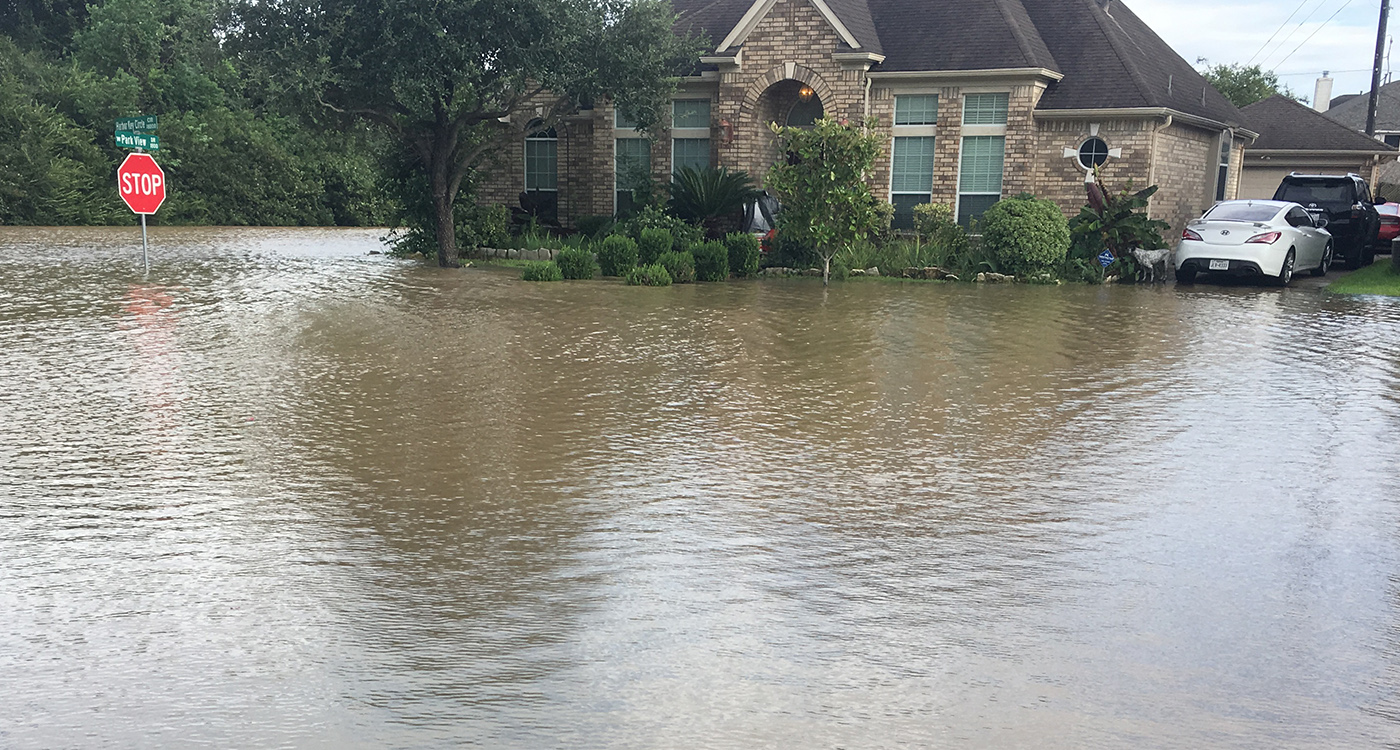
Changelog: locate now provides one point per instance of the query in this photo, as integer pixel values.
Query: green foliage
(1116, 222)
(652, 242)
(542, 270)
(1244, 86)
(712, 197)
(683, 235)
(452, 81)
(787, 251)
(617, 255)
(711, 261)
(484, 226)
(577, 263)
(594, 227)
(826, 201)
(1028, 236)
(1377, 278)
(681, 266)
(929, 218)
(652, 274)
(229, 156)
(743, 253)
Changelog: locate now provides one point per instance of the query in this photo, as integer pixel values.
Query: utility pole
(1376, 71)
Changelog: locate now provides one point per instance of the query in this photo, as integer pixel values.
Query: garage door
(1261, 182)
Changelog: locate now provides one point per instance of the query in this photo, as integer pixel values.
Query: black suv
(1346, 202)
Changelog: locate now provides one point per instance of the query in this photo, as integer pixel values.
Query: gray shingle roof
(1109, 58)
(1352, 112)
(1285, 124)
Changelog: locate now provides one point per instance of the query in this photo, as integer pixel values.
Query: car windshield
(1242, 212)
(1316, 192)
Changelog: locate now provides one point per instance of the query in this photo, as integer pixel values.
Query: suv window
(1320, 192)
(1364, 190)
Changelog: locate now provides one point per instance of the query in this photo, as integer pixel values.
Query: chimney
(1322, 95)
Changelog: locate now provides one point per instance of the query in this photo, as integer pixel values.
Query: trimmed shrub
(594, 227)
(652, 274)
(542, 270)
(681, 266)
(683, 235)
(711, 261)
(743, 253)
(617, 255)
(652, 243)
(577, 263)
(1026, 235)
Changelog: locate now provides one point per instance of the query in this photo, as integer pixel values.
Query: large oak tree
(453, 80)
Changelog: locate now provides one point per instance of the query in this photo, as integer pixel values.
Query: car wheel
(1370, 256)
(1326, 263)
(1285, 274)
(1185, 276)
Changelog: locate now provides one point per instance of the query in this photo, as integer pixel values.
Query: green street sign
(138, 140)
(142, 122)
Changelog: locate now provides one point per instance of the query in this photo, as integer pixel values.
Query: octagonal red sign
(141, 183)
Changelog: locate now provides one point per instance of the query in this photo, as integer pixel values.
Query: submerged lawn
(1377, 278)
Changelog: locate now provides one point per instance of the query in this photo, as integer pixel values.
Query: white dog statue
(1148, 263)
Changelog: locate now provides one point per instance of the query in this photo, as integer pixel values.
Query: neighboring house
(1295, 138)
(1350, 110)
(976, 100)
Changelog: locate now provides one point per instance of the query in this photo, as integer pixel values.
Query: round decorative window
(1093, 153)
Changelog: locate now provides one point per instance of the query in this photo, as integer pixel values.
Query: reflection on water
(284, 493)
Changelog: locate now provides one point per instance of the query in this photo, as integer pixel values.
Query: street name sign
(147, 141)
(141, 183)
(140, 122)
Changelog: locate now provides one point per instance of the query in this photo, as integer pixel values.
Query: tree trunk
(442, 209)
(826, 270)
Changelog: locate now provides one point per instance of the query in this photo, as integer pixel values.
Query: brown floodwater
(284, 493)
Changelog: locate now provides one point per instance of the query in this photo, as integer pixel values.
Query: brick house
(977, 99)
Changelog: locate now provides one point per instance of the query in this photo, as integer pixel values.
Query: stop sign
(141, 183)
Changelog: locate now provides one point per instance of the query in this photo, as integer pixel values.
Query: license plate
(1220, 265)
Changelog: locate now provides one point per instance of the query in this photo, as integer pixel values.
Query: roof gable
(1285, 124)
(1352, 112)
(728, 23)
(958, 35)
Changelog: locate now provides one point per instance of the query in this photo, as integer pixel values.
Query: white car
(1267, 239)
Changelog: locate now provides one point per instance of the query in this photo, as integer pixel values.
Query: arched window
(542, 169)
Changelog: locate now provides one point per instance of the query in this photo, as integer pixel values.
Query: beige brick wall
(793, 42)
(793, 46)
(1186, 164)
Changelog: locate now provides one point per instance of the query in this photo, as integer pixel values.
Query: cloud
(1232, 32)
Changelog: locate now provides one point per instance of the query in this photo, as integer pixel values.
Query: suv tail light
(1187, 234)
(1267, 238)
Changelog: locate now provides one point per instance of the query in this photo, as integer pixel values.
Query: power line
(1310, 36)
(1284, 40)
(1276, 31)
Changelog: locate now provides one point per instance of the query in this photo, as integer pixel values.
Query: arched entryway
(786, 102)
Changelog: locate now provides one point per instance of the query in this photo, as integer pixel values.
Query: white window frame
(689, 133)
(622, 132)
(912, 131)
(980, 130)
(525, 163)
(1224, 152)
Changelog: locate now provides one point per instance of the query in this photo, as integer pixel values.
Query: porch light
(805, 93)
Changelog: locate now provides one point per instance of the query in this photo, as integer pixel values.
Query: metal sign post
(140, 181)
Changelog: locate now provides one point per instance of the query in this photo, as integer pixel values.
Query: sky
(1238, 31)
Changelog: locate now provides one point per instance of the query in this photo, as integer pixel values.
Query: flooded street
(288, 494)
